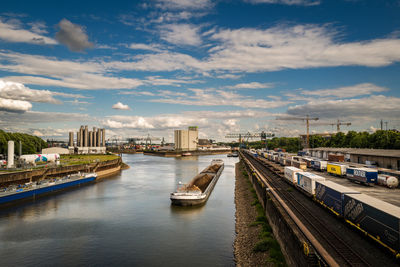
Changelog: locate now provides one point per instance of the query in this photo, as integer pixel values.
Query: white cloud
(229, 76)
(38, 27)
(347, 91)
(286, 2)
(185, 4)
(11, 105)
(17, 91)
(273, 49)
(150, 47)
(12, 32)
(220, 98)
(121, 106)
(38, 117)
(181, 34)
(64, 73)
(252, 85)
(297, 47)
(367, 108)
(73, 36)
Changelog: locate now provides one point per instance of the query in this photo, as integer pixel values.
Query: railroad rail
(333, 250)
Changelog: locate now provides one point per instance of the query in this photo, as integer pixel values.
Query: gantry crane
(307, 119)
(242, 136)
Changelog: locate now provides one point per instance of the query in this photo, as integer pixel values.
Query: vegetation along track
(311, 216)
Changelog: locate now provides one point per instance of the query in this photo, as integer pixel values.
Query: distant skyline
(149, 67)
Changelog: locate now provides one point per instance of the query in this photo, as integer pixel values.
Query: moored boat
(35, 189)
(198, 190)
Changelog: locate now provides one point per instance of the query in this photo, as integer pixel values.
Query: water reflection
(126, 220)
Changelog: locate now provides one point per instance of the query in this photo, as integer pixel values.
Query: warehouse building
(186, 140)
(384, 158)
(55, 150)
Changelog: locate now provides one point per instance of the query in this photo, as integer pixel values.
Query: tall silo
(10, 160)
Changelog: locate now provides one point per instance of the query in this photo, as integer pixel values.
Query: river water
(125, 220)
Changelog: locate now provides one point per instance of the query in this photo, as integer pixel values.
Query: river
(126, 219)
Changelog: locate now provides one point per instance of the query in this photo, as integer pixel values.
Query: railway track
(342, 252)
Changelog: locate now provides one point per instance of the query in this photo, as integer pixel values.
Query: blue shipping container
(378, 218)
(363, 175)
(331, 194)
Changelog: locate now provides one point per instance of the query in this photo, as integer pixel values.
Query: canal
(125, 220)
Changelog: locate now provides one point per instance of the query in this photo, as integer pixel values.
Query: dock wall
(101, 168)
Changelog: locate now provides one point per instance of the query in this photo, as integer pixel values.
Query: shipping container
(336, 157)
(336, 169)
(306, 181)
(301, 153)
(378, 218)
(291, 173)
(388, 181)
(308, 161)
(331, 195)
(362, 175)
(299, 164)
(320, 165)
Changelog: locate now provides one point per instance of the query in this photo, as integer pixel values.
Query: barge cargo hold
(197, 191)
(32, 190)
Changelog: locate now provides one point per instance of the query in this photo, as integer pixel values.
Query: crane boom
(307, 119)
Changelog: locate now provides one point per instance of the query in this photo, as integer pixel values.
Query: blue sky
(227, 66)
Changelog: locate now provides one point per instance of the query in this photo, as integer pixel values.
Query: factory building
(186, 140)
(88, 142)
(384, 158)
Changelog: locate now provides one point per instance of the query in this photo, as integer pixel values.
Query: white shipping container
(306, 181)
(291, 173)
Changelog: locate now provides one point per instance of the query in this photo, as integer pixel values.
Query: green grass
(67, 160)
(267, 241)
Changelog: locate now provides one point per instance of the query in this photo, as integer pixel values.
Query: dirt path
(246, 236)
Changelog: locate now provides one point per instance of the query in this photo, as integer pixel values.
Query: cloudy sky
(148, 67)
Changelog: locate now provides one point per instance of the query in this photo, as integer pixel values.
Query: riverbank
(102, 168)
(247, 233)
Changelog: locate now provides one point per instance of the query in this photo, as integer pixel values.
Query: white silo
(10, 160)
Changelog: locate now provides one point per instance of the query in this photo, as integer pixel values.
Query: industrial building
(56, 150)
(88, 142)
(186, 140)
(384, 158)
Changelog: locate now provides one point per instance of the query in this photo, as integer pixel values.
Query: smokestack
(94, 136)
(103, 137)
(71, 139)
(90, 138)
(77, 138)
(20, 148)
(81, 137)
(86, 137)
(10, 154)
(98, 141)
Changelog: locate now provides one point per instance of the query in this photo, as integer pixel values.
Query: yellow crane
(307, 119)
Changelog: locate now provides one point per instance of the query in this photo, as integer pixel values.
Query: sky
(150, 67)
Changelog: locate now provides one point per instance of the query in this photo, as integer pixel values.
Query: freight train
(354, 172)
(375, 218)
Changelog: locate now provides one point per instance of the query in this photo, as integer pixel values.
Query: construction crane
(307, 119)
(338, 124)
(242, 136)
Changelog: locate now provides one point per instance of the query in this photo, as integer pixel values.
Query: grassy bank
(266, 242)
(68, 160)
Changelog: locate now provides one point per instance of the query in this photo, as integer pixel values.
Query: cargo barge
(32, 190)
(197, 191)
